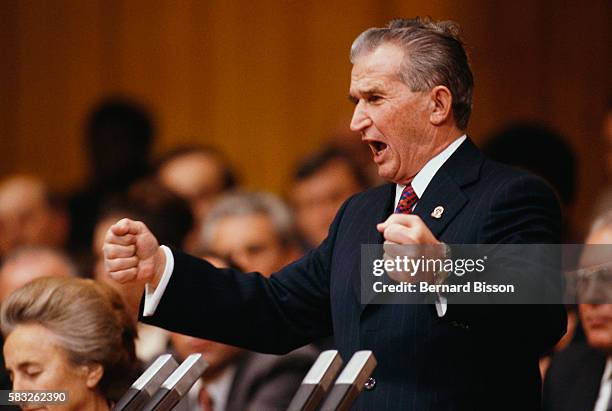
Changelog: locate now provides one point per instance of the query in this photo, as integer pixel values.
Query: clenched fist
(406, 229)
(406, 235)
(132, 253)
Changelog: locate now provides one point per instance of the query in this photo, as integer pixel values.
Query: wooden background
(266, 81)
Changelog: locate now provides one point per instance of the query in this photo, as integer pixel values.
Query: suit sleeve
(270, 315)
(523, 211)
(275, 382)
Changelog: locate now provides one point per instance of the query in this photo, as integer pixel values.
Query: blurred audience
(170, 216)
(256, 232)
(350, 142)
(199, 174)
(30, 215)
(573, 327)
(321, 183)
(241, 380)
(118, 137)
(69, 334)
(604, 202)
(253, 230)
(580, 377)
(28, 263)
(541, 150)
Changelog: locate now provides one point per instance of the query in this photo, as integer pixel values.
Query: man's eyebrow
(372, 90)
(366, 92)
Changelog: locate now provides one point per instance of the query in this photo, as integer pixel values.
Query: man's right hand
(132, 253)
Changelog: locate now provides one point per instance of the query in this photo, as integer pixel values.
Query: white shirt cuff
(152, 298)
(441, 305)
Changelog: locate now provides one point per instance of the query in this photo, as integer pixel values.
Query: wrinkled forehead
(377, 70)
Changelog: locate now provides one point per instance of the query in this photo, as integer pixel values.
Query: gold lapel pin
(437, 212)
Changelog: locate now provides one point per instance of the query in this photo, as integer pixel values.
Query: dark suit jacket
(473, 358)
(573, 379)
(266, 382)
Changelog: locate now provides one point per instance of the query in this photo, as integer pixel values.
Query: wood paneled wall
(267, 80)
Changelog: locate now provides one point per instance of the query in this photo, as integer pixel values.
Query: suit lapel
(378, 208)
(444, 190)
(588, 381)
(444, 194)
(381, 213)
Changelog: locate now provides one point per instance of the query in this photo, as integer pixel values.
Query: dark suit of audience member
(263, 381)
(574, 378)
(579, 376)
(119, 137)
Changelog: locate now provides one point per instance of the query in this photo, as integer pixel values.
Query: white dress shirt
(419, 183)
(218, 390)
(605, 388)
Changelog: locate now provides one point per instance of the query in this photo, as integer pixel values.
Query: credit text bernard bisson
(412, 266)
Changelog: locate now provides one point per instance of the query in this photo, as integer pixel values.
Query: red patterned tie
(407, 200)
(206, 402)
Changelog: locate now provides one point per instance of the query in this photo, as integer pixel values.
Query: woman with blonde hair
(72, 335)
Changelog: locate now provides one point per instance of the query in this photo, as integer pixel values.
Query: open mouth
(377, 147)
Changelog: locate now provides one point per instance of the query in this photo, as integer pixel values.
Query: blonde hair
(89, 320)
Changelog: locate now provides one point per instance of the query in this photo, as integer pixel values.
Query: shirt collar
(218, 390)
(422, 179)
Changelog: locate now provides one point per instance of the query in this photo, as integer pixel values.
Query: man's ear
(441, 103)
(93, 374)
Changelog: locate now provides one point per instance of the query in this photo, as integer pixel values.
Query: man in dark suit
(580, 377)
(411, 85)
(240, 380)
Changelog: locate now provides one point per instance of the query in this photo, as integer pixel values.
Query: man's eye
(373, 99)
(33, 372)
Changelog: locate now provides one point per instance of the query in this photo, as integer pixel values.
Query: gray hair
(88, 320)
(246, 204)
(433, 55)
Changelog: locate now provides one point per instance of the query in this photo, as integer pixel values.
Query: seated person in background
(604, 200)
(118, 139)
(149, 202)
(579, 377)
(572, 327)
(253, 230)
(543, 151)
(30, 215)
(69, 334)
(237, 379)
(29, 263)
(198, 174)
(22, 266)
(321, 183)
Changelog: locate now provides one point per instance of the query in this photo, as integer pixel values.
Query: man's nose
(18, 384)
(360, 119)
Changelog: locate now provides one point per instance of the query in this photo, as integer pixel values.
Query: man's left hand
(408, 229)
